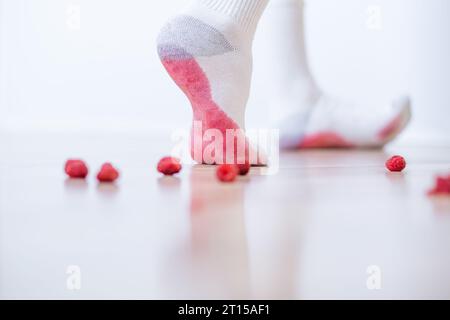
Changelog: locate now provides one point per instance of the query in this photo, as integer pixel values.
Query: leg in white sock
(207, 50)
(306, 116)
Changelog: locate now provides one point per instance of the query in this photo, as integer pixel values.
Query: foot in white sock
(305, 115)
(341, 124)
(207, 51)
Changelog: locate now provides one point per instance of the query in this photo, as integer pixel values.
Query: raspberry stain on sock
(325, 140)
(191, 79)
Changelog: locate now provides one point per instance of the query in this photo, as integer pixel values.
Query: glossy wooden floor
(326, 225)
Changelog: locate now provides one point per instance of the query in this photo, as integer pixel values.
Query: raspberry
(76, 168)
(107, 173)
(227, 172)
(396, 163)
(243, 168)
(169, 166)
(442, 186)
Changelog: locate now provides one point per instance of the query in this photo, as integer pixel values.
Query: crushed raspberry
(227, 172)
(442, 186)
(76, 168)
(243, 168)
(169, 165)
(107, 173)
(396, 163)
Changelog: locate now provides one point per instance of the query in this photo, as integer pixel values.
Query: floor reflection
(440, 204)
(235, 251)
(275, 233)
(107, 190)
(75, 185)
(219, 253)
(169, 182)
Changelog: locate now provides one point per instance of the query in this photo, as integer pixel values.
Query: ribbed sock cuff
(245, 12)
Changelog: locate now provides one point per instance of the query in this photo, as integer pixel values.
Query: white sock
(207, 50)
(305, 115)
(292, 86)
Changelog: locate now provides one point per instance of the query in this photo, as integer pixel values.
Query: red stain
(325, 140)
(191, 79)
(197, 204)
(391, 128)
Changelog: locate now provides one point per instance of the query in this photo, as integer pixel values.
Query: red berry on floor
(243, 168)
(169, 165)
(227, 172)
(396, 163)
(76, 168)
(442, 186)
(107, 173)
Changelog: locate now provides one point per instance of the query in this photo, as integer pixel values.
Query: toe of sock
(292, 130)
(401, 108)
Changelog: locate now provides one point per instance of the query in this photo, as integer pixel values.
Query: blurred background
(90, 65)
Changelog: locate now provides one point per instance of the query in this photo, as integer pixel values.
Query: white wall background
(103, 74)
